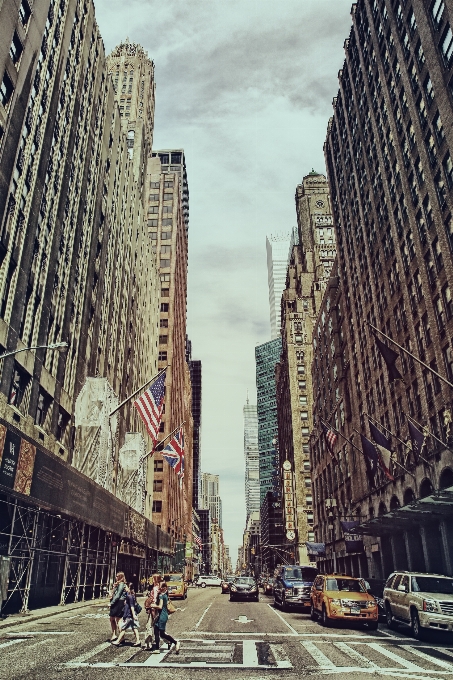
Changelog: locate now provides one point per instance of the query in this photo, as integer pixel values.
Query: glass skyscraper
(252, 482)
(266, 357)
(277, 248)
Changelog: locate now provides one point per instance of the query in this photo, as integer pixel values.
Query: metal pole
(400, 440)
(139, 390)
(342, 436)
(430, 434)
(162, 441)
(66, 564)
(441, 377)
(58, 345)
(31, 561)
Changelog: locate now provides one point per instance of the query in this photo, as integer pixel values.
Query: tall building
(309, 268)
(267, 356)
(277, 248)
(174, 160)
(205, 536)
(71, 207)
(251, 455)
(210, 497)
(388, 152)
(172, 505)
(195, 381)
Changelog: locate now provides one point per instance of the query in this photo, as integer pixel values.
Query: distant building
(251, 455)
(267, 356)
(210, 497)
(277, 248)
(273, 541)
(205, 535)
(195, 379)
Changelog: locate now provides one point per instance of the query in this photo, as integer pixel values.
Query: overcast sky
(246, 88)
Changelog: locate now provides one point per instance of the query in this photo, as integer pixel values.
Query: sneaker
(177, 647)
(156, 651)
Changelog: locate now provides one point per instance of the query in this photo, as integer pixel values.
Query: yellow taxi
(176, 585)
(338, 597)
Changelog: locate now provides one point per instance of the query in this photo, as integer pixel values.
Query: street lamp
(56, 345)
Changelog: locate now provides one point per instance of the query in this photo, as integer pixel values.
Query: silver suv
(420, 601)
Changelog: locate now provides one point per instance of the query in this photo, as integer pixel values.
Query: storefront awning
(437, 506)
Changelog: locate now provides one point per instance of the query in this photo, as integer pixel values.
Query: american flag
(198, 541)
(174, 452)
(150, 406)
(331, 438)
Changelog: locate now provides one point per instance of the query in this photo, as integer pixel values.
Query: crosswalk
(380, 658)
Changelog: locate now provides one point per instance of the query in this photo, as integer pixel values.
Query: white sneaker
(177, 647)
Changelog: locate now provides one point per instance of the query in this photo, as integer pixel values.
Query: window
(154, 185)
(447, 353)
(24, 12)
(6, 89)
(437, 10)
(448, 170)
(165, 235)
(420, 55)
(168, 197)
(165, 292)
(448, 301)
(44, 402)
(430, 269)
(412, 23)
(304, 415)
(16, 48)
(440, 189)
(158, 485)
(163, 339)
(165, 263)
(19, 383)
(158, 466)
(438, 255)
(167, 209)
(447, 47)
(162, 356)
(301, 369)
(154, 197)
(438, 129)
(440, 314)
(167, 222)
(157, 506)
(303, 399)
(164, 323)
(164, 307)
(165, 277)
(153, 223)
(302, 384)
(429, 90)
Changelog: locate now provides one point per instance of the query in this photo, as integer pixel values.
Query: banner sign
(353, 543)
(54, 484)
(317, 549)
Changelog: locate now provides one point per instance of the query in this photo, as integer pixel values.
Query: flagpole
(139, 390)
(441, 377)
(395, 462)
(430, 434)
(341, 435)
(162, 441)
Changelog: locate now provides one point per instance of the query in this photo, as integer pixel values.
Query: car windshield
(350, 585)
(300, 574)
(230, 578)
(432, 584)
(248, 581)
(175, 577)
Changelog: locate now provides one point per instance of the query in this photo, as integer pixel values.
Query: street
(246, 640)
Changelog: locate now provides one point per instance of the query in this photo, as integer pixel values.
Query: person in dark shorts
(117, 599)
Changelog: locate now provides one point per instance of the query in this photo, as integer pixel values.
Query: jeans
(158, 633)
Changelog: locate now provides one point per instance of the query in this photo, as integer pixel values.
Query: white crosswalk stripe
(406, 660)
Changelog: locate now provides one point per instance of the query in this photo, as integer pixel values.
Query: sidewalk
(45, 612)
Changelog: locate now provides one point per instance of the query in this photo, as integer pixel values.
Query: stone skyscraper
(210, 497)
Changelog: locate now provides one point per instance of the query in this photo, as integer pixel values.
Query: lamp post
(56, 345)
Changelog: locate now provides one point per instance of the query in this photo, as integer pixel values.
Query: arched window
(409, 496)
(446, 478)
(382, 509)
(371, 512)
(426, 488)
(395, 503)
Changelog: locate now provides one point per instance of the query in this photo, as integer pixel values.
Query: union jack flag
(173, 453)
(150, 406)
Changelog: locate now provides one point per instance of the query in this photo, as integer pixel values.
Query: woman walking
(130, 618)
(153, 594)
(117, 599)
(161, 621)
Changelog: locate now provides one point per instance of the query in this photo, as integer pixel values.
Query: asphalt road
(219, 639)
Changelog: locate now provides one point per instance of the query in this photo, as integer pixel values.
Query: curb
(29, 618)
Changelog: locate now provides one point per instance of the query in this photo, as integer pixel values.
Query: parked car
(176, 585)
(210, 580)
(226, 583)
(338, 597)
(268, 587)
(292, 586)
(244, 588)
(420, 601)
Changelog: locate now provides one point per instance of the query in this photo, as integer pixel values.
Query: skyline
(243, 84)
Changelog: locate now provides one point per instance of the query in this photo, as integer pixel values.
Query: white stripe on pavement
(354, 654)
(408, 665)
(294, 632)
(92, 652)
(11, 642)
(322, 660)
(249, 653)
(437, 662)
(203, 615)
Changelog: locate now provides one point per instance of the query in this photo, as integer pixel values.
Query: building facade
(392, 203)
(195, 381)
(267, 356)
(251, 456)
(277, 249)
(205, 535)
(71, 202)
(167, 224)
(210, 497)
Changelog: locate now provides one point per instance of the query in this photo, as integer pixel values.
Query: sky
(246, 88)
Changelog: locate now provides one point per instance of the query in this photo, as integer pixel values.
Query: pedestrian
(151, 598)
(130, 618)
(117, 599)
(161, 606)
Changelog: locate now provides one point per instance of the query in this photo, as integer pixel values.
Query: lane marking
(249, 653)
(448, 652)
(87, 655)
(208, 632)
(437, 662)
(293, 630)
(354, 654)
(203, 615)
(9, 643)
(408, 665)
(41, 632)
(321, 659)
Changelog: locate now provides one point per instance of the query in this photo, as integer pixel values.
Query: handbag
(138, 608)
(170, 607)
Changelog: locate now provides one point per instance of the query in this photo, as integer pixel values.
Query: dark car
(244, 588)
(226, 582)
(292, 586)
(268, 587)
